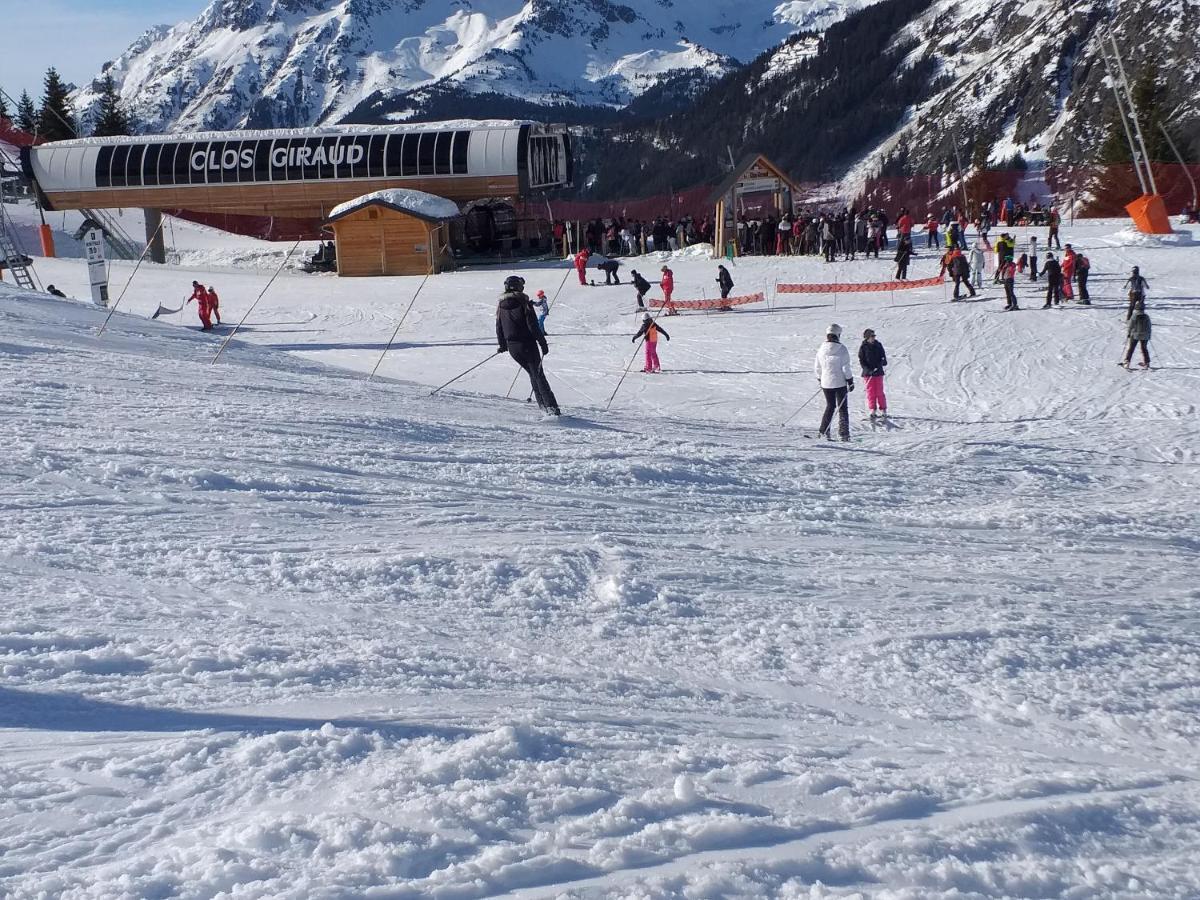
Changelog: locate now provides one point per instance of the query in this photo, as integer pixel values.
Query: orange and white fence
(718, 303)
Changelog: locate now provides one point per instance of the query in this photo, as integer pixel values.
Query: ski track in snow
(270, 630)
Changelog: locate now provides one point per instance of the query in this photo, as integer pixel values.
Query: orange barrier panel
(861, 288)
(1149, 214)
(47, 237)
(718, 303)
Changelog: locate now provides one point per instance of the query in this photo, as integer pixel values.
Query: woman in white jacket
(832, 367)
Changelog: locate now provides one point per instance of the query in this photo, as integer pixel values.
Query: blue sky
(75, 36)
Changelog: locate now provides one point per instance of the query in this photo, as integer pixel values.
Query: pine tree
(55, 119)
(3, 109)
(26, 114)
(111, 118)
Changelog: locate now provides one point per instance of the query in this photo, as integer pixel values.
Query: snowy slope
(269, 630)
(300, 62)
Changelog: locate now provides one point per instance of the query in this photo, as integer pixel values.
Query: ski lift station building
(300, 173)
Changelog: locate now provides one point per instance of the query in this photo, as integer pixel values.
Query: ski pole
(246, 315)
(398, 324)
(131, 275)
(462, 374)
(797, 412)
(627, 367)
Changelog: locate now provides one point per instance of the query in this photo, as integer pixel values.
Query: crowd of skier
(520, 322)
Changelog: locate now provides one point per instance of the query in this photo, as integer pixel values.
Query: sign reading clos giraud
(282, 159)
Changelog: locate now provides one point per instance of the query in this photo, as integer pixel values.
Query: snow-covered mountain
(899, 87)
(297, 62)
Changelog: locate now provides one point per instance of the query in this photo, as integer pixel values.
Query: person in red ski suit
(668, 285)
(581, 261)
(214, 303)
(1068, 271)
(200, 295)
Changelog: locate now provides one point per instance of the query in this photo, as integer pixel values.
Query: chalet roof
(418, 204)
(740, 170)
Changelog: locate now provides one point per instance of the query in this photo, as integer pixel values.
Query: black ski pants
(1054, 293)
(529, 359)
(1010, 295)
(1081, 276)
(835, 401)
(1133, 342)
(1033, 269)
(965, 281)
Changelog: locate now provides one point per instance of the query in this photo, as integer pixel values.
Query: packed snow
(270, 629)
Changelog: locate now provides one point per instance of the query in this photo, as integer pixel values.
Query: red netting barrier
(1085, 191)
(268, 228)
(717, 303)
(857, 288)
(11, 134)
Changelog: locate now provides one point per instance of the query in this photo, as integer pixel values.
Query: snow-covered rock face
(1029, 78)
(262, 63)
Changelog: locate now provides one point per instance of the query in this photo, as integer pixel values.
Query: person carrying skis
(581, 261)
(517, 333)
(832, 367)
(214, 303)
(1137, 286)
(668, 285)
(1137, 332)
(200, 295)
(872, 358)
(650, 331)
(542, 308)
(1053, 273)
(642, 286)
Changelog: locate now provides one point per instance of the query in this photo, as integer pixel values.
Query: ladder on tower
(14, 260)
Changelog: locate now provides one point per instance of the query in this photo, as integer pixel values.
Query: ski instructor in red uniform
(581, 261)
(200, 295)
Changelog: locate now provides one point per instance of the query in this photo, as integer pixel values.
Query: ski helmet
(835, 330)
(542, 294)
(514, 283)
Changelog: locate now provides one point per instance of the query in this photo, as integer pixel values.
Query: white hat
(835, 330)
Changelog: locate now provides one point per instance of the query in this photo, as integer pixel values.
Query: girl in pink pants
(650, 330)
(873, 359)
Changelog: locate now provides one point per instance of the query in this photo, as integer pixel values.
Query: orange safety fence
(859, 288)
(717, 303)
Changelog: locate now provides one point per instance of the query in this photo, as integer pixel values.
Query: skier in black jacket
(1053, 272)
(724, 281)
(873, 359)
(642, 286)
(517, 333)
